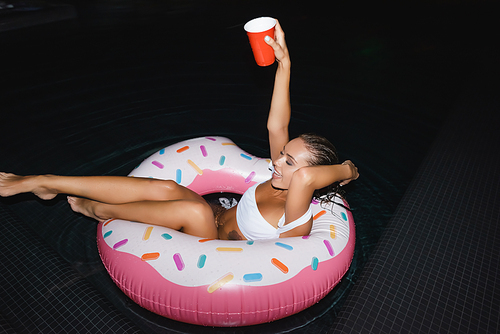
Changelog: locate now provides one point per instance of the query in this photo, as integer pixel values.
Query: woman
(279, 207)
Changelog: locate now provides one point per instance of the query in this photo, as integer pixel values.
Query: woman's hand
(278, 44)
(354, 172)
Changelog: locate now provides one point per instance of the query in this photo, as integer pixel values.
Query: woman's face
(293, 156)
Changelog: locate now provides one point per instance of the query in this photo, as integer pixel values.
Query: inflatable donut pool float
(219, 282)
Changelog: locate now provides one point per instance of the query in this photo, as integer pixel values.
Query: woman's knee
(163, 190)
(168, 190)
(168, 186)
(200, 220)
(200, 211)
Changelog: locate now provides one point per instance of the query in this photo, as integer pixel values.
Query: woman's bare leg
(189, 216)
(106, 189)
(151, 201)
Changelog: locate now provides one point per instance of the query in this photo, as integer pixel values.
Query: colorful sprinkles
(329, 247)
(158, 164)
(314, 263)
(220, 282)
(147, 233)
(195, 167)
(203, 150)
(107, 222)
(332, 232)
(204, 240)
(178, 176)
(319, 214)
(229, 249)
(150, 256)
(182, 149)
(254, 277)
(245, 156)
(179, 263)
(201, 261)
(283, 245)
(250, 177)
(120, 243)
(280, 265)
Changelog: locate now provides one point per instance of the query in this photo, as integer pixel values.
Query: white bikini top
(254, 226)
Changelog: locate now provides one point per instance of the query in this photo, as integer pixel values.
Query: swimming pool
(98, 95)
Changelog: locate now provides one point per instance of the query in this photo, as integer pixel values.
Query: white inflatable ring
(220, 282)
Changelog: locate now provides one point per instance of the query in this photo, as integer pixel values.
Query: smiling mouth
(276, 174)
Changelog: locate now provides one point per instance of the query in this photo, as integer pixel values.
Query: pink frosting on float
(248, 305)
(223, 180)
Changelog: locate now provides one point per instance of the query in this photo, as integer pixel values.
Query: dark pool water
(98, 94)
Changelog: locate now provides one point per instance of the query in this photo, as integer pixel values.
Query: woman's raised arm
(279, 113)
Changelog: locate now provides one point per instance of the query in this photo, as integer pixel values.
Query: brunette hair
(322, 153)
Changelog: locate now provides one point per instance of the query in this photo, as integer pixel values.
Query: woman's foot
(11, 184)
(85, 207)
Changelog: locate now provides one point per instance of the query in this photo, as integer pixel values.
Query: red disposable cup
(257, 29)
